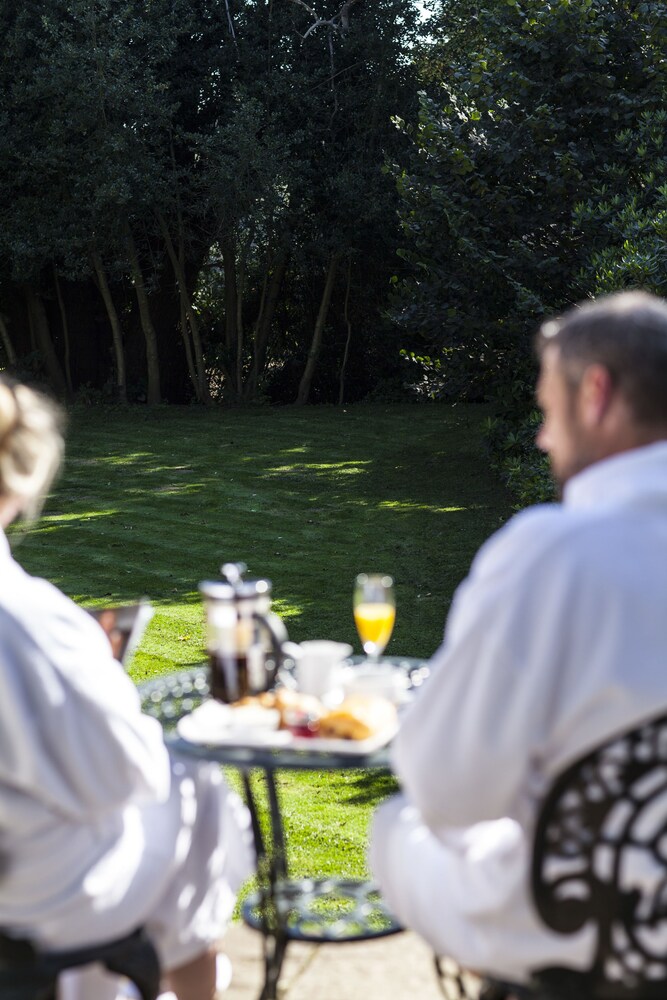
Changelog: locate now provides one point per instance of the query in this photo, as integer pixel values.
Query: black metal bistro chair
(600, 857)
(27, 973)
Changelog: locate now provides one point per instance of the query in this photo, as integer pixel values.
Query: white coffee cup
(380, 679)
(318, 665)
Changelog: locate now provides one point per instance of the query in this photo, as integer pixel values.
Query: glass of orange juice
(374, 611)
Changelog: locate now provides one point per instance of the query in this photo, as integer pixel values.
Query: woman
(99, 831)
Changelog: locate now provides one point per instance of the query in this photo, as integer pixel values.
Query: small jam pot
(301, 723)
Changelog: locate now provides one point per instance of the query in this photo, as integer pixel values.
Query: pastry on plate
(286, 702)
(265, 700)
(254, 717)
(358, 717)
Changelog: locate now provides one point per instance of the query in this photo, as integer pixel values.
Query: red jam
(301, 723)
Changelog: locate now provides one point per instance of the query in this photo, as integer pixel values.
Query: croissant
(358, 717)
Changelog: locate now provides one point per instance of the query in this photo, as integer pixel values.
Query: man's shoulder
(535, 525)
(532, 534)
(538, 519)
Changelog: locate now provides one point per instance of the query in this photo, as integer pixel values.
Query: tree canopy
(523, 122)
(193, 196)
(215, 199)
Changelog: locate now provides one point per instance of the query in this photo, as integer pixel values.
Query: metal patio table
(283, 909)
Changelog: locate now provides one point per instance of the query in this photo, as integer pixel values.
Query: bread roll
(358, 717)
(285, 701)
(265, 700)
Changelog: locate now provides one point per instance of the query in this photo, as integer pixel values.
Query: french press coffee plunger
(243, 639)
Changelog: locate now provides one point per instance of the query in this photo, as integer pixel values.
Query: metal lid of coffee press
(235, 588)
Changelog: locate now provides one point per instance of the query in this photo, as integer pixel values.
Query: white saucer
(215, 724)
(383, 679)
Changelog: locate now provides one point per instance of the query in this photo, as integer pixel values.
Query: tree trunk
(185, 333)
(229, 265)
(65, 325)
(240, 292)
(263, 323)
(346, 352)
(199, 380)
(39, 326)
(316, 344)
(240, 298)
(6, 342)
(152, 358)
(116, 333)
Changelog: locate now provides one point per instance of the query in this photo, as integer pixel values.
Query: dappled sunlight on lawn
(305, 498)
(129, 458)
(50, 522)
(151, 503)
(172, 489)
(400, 505)
(332, 469)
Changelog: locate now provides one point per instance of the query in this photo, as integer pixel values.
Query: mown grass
(153, 500)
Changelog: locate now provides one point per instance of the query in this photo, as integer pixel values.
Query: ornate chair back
(600, 855)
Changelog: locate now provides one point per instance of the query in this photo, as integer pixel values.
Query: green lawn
(153, 500)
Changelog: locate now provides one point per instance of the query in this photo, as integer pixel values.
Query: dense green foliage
(536, 179)
(625, 222)
(192, 195)
(153, 500)
(522, 132)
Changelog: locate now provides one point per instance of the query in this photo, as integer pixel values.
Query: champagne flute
(374, 612)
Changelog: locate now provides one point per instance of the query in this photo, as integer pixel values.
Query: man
(556, 640)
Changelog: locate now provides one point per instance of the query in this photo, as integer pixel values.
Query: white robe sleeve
(72, 734)
(468, 743)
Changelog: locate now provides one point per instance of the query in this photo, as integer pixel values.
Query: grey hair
(626, 333)
(31, 445)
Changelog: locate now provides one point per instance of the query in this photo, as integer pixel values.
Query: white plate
(351, 748)
(209, 725)
(215, 724)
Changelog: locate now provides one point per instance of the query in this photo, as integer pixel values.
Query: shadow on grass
(370, 787)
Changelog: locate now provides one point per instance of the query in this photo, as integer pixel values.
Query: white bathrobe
(99, 830)
(556, 640)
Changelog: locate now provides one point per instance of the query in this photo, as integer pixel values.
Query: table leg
(317, 910)
(271, 868)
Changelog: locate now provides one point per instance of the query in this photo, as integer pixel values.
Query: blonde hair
(31, 445)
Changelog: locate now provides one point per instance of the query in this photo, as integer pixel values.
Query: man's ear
(10, 508)
(595, 394)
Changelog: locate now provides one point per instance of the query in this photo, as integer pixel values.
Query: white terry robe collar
(636, 475)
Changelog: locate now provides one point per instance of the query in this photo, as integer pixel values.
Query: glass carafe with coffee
(244, 640)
